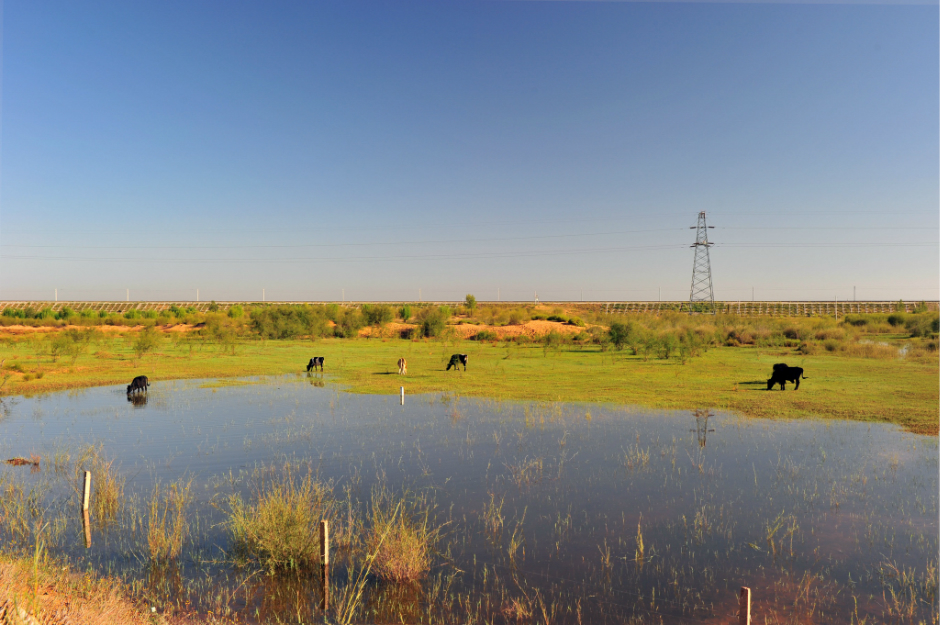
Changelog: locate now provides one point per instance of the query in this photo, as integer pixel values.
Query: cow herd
(782, 373)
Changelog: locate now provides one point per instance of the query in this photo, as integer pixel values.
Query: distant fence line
(775, 309)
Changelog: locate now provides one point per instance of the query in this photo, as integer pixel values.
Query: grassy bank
(904, 391)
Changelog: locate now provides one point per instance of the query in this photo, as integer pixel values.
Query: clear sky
(366, 150)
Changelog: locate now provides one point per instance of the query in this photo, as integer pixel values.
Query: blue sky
(368, 150)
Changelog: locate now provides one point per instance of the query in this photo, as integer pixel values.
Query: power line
(416, 242)
(397, 226)
(457, 255)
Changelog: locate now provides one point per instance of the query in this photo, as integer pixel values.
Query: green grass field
(905, 392)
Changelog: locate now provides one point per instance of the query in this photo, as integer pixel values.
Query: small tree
(147, 341)
(405, 312)
(619, 334)
(471, 302)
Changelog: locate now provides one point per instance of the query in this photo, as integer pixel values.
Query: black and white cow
(316, 361)
(456, 360)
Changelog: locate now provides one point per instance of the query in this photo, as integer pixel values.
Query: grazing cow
(783, 374)
(140, 383)
(456, 360)
(402, 366)
(316, 361)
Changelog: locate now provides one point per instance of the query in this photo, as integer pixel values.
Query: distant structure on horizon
(702, 294)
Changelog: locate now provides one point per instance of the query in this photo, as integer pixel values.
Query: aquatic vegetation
(278, 525)
(167, 528)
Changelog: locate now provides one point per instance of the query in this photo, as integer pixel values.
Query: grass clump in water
(401, 537)
(107, 486)
(168, 526)
(278, 527)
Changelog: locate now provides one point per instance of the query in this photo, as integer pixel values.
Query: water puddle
(560, 513)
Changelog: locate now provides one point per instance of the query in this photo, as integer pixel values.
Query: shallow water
(822, 520)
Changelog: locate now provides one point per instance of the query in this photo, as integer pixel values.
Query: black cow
(783, 374)
(140, 383)
(316, 361)
(456, 360)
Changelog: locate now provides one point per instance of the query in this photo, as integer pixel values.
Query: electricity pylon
(702, 295)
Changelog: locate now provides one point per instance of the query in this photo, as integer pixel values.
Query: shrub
(826, 334)
(236, 311)
(433, 320)
(175, 310)
(377, 314)
(131, 314)
(576, 321)
(350, 324)
(518, 317)
(807, 348)
(552, 340)
(213, 307)
(147, 340)
(149, 314)
(897, 319)
(558, 318)
(278, 527)
(485, 335)
(65, 313)
(471, 302)
(923, 324)
(920, 308)
(405, 312)
(287, 321)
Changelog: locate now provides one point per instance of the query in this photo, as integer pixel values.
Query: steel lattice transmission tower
(702, 291)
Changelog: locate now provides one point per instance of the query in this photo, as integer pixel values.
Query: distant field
(901, 391)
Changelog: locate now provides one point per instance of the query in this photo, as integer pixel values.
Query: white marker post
(403, 396)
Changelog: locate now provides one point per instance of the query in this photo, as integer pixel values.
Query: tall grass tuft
(401, 537)
(107, 486)
(168, 527)
(278, 528)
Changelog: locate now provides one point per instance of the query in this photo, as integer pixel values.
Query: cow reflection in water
(138, 400)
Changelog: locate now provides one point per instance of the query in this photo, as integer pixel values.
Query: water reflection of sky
(706, 491)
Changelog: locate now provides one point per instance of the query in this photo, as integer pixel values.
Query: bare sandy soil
(17, 330)
(530, 329)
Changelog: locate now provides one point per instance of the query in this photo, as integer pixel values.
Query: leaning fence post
(86, 494)
(744, 606)
(325, 563)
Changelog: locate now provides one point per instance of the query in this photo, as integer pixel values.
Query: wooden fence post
(86, 493)
(744, 606)
(86, 525)
(325, 563)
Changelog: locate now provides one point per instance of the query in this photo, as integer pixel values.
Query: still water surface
(823, 520)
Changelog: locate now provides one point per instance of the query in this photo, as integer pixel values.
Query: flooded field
(542, 513)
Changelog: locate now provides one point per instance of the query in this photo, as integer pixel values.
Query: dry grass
(34, 591)
(168, 528)
(279, 527)
(401, 537)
